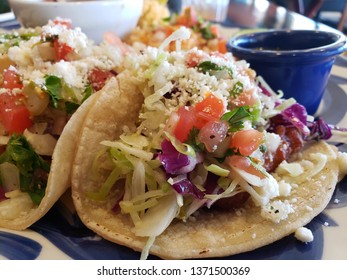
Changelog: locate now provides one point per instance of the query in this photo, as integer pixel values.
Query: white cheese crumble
(262, 190)
(294, 169)
(284, 188)
(272, 141)
(304, 234)
(336, 200)
(277, 210)
(342, 161)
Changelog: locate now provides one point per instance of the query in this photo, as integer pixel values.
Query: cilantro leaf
(8, 40)
(237, 89)
(71, 107)
(87, 93)
(206, 32)
(210, 67)
(192, 140)
(236, 117)
(54, 88)
(32, 168)
(168, 19)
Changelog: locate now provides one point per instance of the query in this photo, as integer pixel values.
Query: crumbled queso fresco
(277, 210)
(304, 234)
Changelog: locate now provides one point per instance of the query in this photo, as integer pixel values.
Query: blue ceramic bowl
(298, 62)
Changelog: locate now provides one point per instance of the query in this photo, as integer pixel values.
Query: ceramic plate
(61, 235)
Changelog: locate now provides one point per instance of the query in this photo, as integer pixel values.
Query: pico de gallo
(46, 73)
(204, 34)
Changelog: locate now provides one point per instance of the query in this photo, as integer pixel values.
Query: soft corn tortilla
(211, 233)
(59, 176)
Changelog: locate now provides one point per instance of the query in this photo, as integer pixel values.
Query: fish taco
(189, 154)
(47, 76)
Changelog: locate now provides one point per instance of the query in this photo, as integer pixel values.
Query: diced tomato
(168, 30)
(14, 115)
(62, 50)
(188, 17)
(214, 30)
(244, 163)
(194, 58)
(209, 109)
(249, 98)
(11, 80)
(222, 46)
(112, 39)
(98, 77)
(61, 21)
(185, 123)
(246, 141)
(212, 134)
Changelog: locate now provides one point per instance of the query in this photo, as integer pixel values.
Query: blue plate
(61, 235)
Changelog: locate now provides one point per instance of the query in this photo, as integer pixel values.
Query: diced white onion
(43, 144)
(4, 140)
(9, 177)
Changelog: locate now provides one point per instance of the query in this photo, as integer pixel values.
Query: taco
(17, 210)
(156, 24)
(189, 155)
(47, 76)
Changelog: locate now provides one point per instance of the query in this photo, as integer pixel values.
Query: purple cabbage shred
(319, 129)
(175, 162)
(186, 187)
(296, 115)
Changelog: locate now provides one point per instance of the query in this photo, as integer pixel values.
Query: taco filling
(191, 155)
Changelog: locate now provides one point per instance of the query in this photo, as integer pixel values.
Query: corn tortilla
(210, 233)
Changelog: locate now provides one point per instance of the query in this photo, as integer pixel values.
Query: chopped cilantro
(54, 88)
(8, 40)
(166, 19)
(206, 32)
(210, 67)
(236, 90)
(192, 140)
(262, 148)
(236, 117)
(32, 168)
(87, 93)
